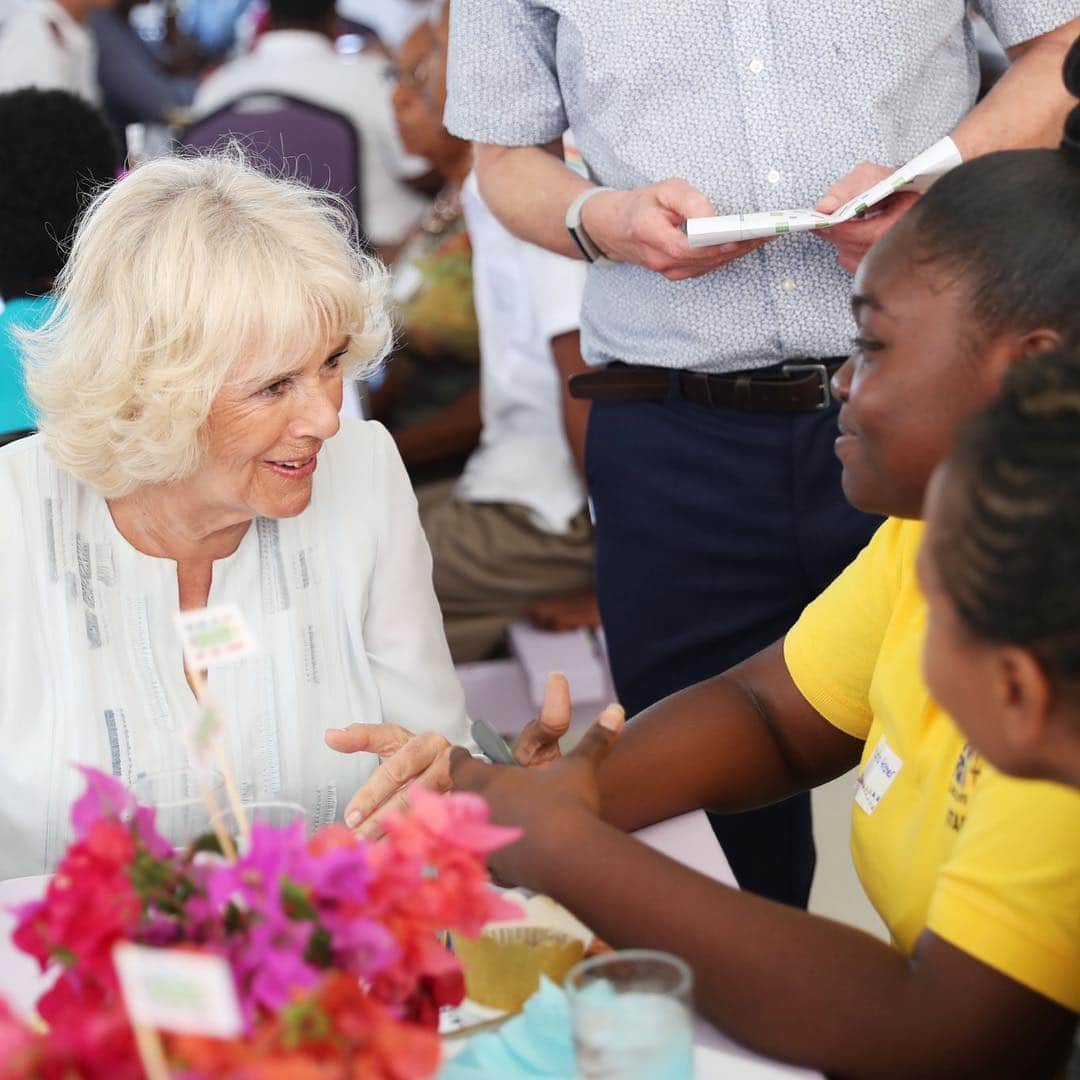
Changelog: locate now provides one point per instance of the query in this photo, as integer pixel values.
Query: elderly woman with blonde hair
(190, 453)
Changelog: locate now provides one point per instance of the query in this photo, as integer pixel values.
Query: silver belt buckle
(821, 371)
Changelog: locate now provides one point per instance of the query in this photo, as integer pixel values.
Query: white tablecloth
(688, 839)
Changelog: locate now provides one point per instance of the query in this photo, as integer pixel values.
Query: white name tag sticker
(173, 990)
(877, 777)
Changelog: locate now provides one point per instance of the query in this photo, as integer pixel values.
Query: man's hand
(643, 227)
(407, 759)
(855, 238)
(532, 799)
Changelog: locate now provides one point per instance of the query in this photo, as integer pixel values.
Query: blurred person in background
(134, 79)
(296, 56)
(430, 398)
(391, 20)
(212, 24)
(57, 149)
(514, 529)
(47, 43)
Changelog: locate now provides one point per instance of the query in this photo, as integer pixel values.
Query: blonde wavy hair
(177, 273)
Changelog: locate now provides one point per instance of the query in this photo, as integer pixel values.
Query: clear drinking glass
(277, 814)
(180, 811)
(632, 1017)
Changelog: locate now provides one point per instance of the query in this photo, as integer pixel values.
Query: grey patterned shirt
(762, 104)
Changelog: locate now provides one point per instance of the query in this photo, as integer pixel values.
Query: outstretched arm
(791, 985)
(737, 741)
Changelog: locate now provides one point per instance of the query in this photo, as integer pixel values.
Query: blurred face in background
(420, 97)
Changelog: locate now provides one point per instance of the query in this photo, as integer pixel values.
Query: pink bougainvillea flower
(333, 942)
(107, 798)
(454, 822)
(89, 905)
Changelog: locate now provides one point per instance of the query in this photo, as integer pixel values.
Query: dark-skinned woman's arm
(740, 740)
(790, 985)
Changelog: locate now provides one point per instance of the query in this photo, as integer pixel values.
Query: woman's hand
(533, 799)
(407, 759)
(425, 759)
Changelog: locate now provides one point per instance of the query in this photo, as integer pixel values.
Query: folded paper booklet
(918, 174)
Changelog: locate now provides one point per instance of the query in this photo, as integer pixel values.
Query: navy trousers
(714, 529)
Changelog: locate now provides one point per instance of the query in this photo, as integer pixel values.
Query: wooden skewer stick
(234, 793)
(198, 682)
(151, 1052)
(225, 841)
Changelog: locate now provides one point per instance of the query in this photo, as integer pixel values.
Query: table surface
(687, 839)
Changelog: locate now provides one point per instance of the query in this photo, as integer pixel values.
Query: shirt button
(788, 285)
(773, 177)
(756, 66)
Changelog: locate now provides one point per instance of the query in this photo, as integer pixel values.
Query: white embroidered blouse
(339, 600)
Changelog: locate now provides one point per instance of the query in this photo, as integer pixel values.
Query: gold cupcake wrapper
(504, 964)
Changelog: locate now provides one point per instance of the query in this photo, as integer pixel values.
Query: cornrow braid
(1006, 549)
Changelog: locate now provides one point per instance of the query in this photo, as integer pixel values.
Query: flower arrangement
(332, 942)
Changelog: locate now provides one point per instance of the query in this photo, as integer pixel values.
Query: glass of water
(277, 814)
(632, 1016)
(180, 811)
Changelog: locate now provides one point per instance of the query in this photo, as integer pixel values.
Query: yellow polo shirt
(940, 838)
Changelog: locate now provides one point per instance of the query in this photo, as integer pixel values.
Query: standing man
(718, 507)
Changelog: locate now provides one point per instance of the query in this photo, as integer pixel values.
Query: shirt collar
(294, 43)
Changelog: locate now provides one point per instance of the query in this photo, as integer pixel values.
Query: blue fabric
(536, 1044)
(714, 529)
(16, 412)
(212, 23)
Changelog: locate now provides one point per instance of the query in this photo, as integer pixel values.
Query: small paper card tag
(877, 777)
(214, 635)
(174, 990)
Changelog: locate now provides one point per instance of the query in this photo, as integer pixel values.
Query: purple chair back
(287, 136)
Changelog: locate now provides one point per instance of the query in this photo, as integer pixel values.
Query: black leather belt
(799, 386)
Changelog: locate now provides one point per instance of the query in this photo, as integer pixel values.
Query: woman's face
(963, 673)
(917, 370)
(265, 435)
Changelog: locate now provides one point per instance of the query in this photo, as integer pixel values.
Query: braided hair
(1005, 224)
(1005, 543)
